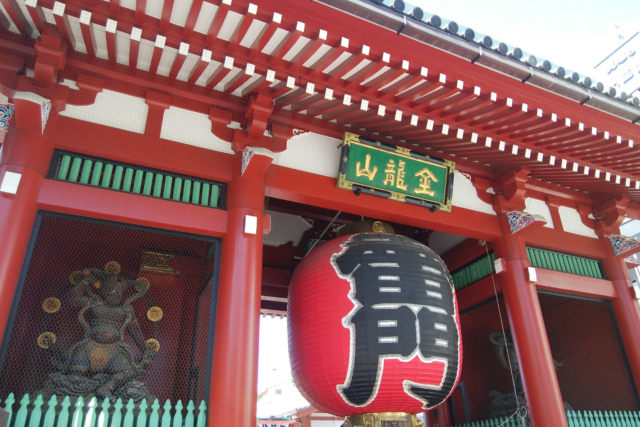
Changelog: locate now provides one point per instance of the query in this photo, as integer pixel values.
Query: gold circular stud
(51, 305)
(143, 282)
(112, 267)
(152, 344)
(377, 227)
(47, 339)
(154, 314)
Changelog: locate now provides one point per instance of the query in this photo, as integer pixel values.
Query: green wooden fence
(61, 412)
(565, 263)
(474, 271)
(102, 173)
(575, 419)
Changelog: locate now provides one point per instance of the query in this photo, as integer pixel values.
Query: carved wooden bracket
(51, 57)
(510, 189)
(609, 216)
(158, 102)
(253, 127)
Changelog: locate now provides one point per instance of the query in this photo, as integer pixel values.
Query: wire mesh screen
(590, 363)
(111, 311)
(485, 370)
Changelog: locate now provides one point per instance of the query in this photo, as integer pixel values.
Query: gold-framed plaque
(381, 169)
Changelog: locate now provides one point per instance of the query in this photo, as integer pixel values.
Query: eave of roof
(497, 56)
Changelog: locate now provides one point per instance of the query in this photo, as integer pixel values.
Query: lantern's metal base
(382, 419)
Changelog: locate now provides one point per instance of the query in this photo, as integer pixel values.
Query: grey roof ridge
(484, 51)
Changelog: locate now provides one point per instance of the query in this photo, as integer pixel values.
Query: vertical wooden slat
(157, 188)
(205, 194)
(90, 418)
(202, 415)
(78, 414)
(166, 416)
(117, 178)
(148, 183)
(195, 198)
(128, 177)
(64, 167)
(97, 173)
(75, 169)
(142, 415)
(106, 176)
(214, 196)
(116, 418)
(86, 171)
(128, 416)
(50, 415)
(103, 419)
(186, 191)
(154, 419)
(63, 417)
(168, 183)
(177, 418)
(177, 188)
(36, 412)
(189, 419)
(137, 182)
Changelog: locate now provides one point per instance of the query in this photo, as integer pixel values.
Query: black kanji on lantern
(404, 307)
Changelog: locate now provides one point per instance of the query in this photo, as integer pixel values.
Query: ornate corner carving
(519, 220)
(623, 245)
(6, 116)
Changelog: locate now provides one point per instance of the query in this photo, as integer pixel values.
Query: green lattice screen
(82, 169)
(565, 263)
(474, 271)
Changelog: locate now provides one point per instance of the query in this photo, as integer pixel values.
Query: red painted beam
(141, 7)
(114, 7)
(15, 17)
(167, 9)
(134, 47)
(479, 292)
(218, 20)
(158, 48)
(192, 18)
(92, 202)
(178, 62)
(241, 31)
(267, 33)
(110, 34)
(296, 65)
(36, 14)
(573, 284)
(321, 191)
(222, 72)
(294, 35)
(114, 144)
(205, 60)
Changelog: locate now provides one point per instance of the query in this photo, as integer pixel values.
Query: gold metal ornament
(152, 344)
(76, 277)
(51, 305)
(143, 282)
(377, 227)
(47, 339)
(383, 419)
(154, 314)
(97, 284)
(112, 267)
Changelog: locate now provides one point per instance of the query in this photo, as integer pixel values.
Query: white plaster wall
(313, 153)
(191, 128)
(539, 207)
(572, 223)
(112, 109)
(465, 196)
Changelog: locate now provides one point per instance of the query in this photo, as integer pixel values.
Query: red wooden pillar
(234, 374)
(443, 419)
(544, 401)
(26, 152)
(625, 308)
(429, 419)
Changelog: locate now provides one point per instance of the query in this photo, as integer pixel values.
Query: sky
(574, 34)
(571, 33)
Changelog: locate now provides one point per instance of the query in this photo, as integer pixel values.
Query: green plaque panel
(397, 173)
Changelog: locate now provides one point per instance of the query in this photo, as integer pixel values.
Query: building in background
(620, 67)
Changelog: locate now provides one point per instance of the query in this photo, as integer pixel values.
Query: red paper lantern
(374, 326)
